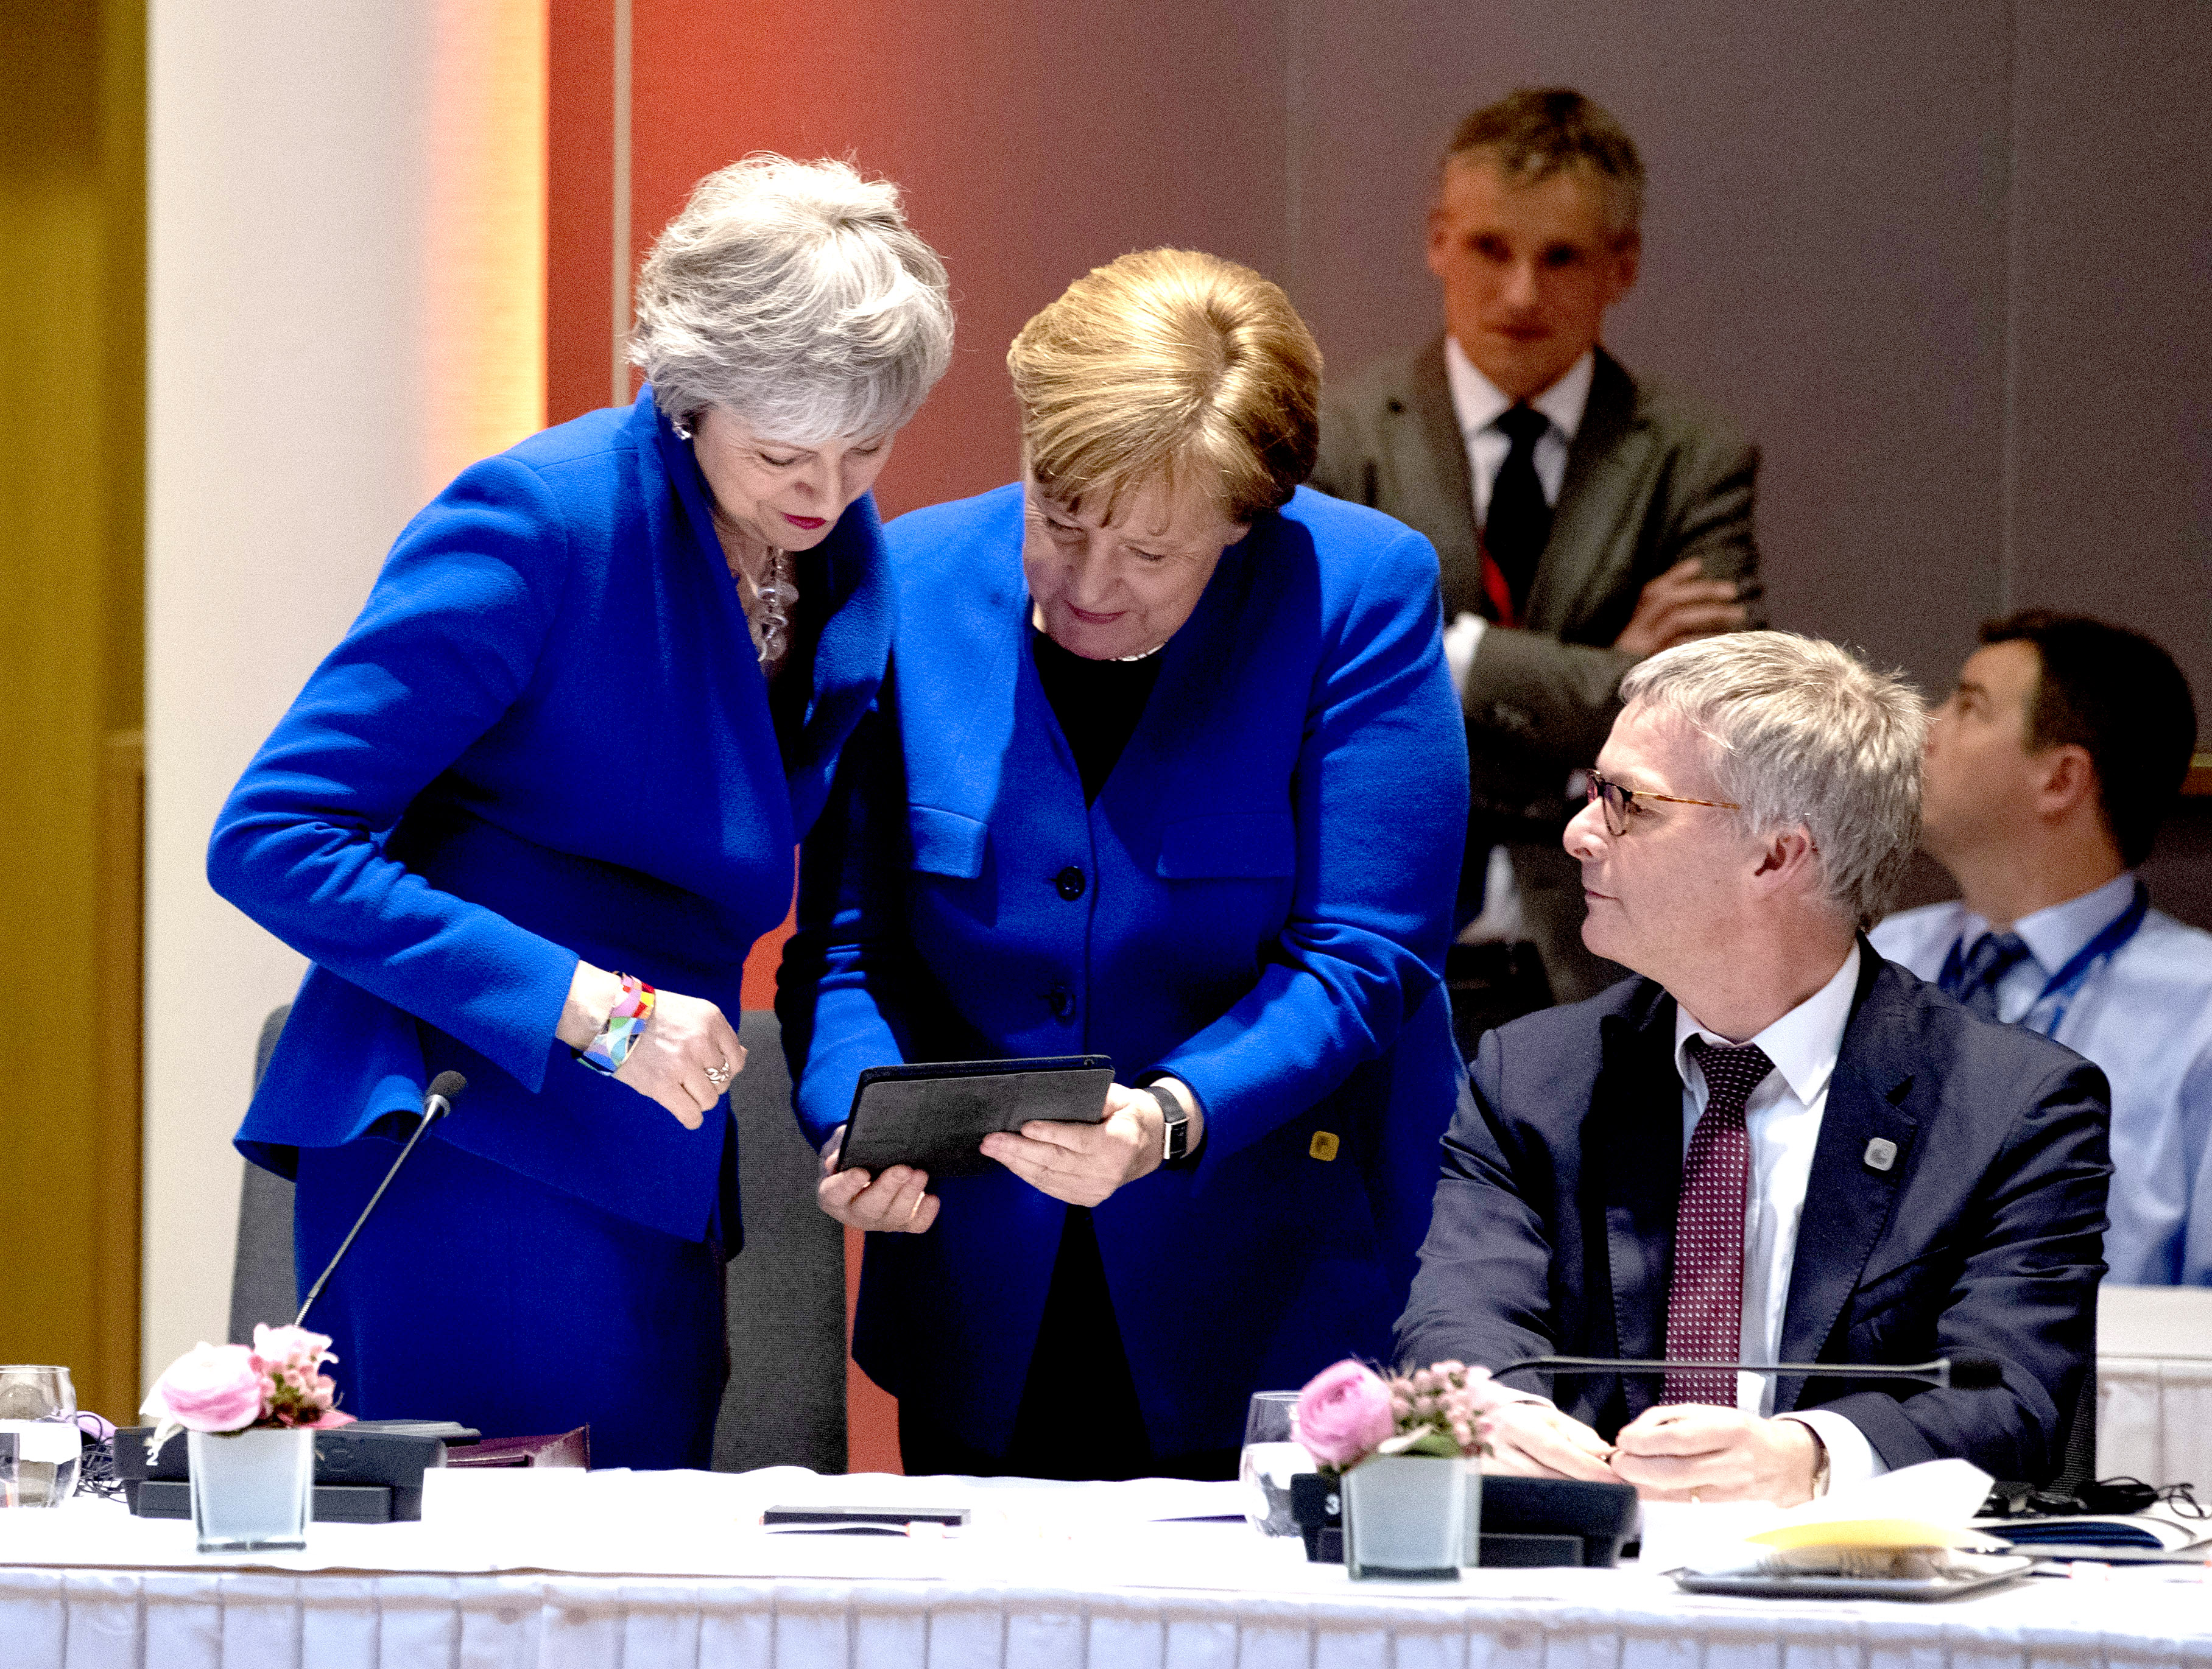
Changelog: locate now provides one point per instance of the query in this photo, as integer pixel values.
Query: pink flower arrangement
(1348, 1412)
(276, 1381)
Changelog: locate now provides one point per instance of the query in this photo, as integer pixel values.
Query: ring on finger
(718, 1076)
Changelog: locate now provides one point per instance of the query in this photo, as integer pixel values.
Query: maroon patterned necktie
(1704, 1294)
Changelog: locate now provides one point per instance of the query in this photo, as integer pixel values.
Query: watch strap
(1175, 1136)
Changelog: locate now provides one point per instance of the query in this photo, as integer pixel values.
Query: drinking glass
(1271, 1459)
(39, 1443)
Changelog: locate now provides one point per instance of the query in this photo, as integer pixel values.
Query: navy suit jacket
(1267, 882)
(1554, 1218)
(546, 736)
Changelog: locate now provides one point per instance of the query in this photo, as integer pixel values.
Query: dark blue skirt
(477, 1295)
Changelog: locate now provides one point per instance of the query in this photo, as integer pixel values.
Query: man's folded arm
(1559, 699)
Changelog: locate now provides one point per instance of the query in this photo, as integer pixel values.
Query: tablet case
(934, 1115)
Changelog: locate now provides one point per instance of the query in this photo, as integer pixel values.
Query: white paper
(1710, 1535)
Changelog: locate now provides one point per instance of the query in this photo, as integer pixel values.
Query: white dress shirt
(2144, 1015)
(1782, 1116)
(1783, 1119)
(1478, 405)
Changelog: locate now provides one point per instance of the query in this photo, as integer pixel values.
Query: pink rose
(212, 1387)
(1343, 1413)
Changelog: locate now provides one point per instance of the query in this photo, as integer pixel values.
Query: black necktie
(1994, 956)
(1519, 521)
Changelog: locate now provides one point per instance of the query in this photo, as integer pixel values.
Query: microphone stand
(436, 1104)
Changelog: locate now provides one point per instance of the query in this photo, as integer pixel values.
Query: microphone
(445, 1090)
(1959, 1373)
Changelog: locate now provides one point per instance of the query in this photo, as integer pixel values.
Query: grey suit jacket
(1652, 477)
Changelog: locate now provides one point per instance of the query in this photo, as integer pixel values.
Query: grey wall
(1945, 262)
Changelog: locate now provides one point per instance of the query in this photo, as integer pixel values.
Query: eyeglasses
(1619, 801)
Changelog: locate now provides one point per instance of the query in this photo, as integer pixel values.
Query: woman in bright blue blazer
(529, 816)
(1168, 767)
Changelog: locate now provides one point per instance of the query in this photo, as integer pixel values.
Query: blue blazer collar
(1849, 1203)
(986, 632)
(856, 636)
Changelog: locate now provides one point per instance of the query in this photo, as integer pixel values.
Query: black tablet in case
(934, 1115)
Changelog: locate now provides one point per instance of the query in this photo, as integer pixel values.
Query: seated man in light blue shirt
(2048, 769)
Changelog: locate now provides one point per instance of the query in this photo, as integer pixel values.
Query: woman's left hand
(1084, 1164)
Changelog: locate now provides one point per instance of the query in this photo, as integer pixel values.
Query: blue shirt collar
(2053, 934)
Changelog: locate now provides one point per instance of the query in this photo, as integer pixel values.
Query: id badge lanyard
(2048, 1011)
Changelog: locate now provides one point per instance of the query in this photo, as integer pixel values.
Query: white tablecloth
(1034, 1585)
(2154, 1420)
(88, 1619)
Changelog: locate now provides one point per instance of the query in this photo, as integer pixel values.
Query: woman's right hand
(685, 1040)
(899, 1200)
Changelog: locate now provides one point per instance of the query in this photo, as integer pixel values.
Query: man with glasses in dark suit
(1775, 1146)
(1584, 517)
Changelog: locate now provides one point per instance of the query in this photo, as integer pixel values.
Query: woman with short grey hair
(529, 816)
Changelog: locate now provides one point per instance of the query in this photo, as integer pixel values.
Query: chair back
(263, 1285)
(785, 1403)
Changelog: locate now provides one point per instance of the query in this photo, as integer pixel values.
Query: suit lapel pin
(1880, 1154)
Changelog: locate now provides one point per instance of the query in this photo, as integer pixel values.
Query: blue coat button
(1070, 882)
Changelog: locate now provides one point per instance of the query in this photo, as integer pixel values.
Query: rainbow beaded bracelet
(607, 1052)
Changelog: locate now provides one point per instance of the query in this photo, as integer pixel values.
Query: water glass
(40, 1446)
(1271, 1459)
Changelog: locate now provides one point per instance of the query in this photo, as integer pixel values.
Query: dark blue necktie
(1994, 956)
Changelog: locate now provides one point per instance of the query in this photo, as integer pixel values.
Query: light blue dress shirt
(2145, 1015)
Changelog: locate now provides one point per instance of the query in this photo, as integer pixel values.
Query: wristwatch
(1174, 1141)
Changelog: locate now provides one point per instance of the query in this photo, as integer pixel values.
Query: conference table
(674, 1569)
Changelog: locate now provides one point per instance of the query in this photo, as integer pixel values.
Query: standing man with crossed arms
(1584, 517)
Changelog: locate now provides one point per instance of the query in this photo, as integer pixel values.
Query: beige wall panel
(346, 278)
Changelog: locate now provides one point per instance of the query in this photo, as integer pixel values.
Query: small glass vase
(252, 1490)
(1409, 1518)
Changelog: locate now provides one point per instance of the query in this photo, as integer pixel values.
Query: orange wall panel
(1033, 142)
(580, 208)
